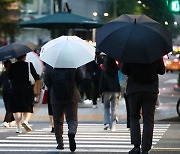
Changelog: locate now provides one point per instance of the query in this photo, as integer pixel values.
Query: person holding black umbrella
(142, 92)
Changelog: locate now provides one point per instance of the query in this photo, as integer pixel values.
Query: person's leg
(18, 118)
(72, 121)
(148, 110)
(25, 124)
(135, 106)
(27, 116)
(52, 123)
(114, 104)
(50, 113)
(88, 88)
(127, 110)
(95, 92)
(106, 100)
(58, 116)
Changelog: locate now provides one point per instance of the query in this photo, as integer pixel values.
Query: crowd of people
(69, 86)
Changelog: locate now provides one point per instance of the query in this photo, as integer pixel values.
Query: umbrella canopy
(134, 39)
(67, 52)
(34, 58)
(15, 50)
(62, 20)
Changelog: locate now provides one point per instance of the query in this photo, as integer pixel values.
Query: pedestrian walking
(50, 112)
(142, 92)
(21, 95)
(64, 98)
(110, 89)
(6, 87)
(86, 83)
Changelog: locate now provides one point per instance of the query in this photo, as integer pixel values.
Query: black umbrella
(134, 39)
(62, 20)
(15, 50)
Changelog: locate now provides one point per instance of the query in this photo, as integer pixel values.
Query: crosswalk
(89, 138)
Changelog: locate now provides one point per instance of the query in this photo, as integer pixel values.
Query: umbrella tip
(135, 21)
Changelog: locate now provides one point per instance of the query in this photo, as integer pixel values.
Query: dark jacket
(50, 77)
(109, 81)
(134, 87)
(4, 82)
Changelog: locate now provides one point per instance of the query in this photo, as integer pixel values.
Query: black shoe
(52, 130)
(135, 151)
(72, 143)
(60, 147)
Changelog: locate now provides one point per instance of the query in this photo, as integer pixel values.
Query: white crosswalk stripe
(89, 138)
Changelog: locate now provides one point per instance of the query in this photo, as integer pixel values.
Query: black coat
(109, 81)
(134, 87)
(49, 80)
(21, 94)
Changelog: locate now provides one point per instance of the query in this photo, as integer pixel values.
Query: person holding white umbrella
(63, 56)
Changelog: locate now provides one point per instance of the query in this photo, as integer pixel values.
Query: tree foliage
(7, 28)
(155, 9)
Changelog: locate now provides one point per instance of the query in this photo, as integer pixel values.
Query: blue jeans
(111, 100)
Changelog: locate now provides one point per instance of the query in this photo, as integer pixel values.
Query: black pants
(70, 112)
(8, 116)
(147, 102)
(127, 110)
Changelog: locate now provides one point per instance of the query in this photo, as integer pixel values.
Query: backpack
(144, 73)
(63, 84)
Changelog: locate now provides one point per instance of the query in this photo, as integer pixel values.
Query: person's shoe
(26, 127)
(5, 124)
(12, 123)
(72, 143)
(60, 147)
(18, 130)
(106, 126)
(135, 151)
(52, 130)
(113, 128)
(94, 106)
(116, 119)
(144, 153)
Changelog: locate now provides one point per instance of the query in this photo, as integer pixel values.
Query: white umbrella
(67, 52)
(34, 58)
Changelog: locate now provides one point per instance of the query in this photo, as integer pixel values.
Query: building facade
(38, 8)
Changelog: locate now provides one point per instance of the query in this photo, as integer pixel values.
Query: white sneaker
(5, 124)
(94, 106)
(87, 101)
(26, 127)
(18, 130)
(106, 126)
(12, 123)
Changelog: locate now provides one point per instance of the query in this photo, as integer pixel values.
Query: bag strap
(29, 71)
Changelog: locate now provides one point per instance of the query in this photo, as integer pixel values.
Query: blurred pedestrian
(21, 95)
(50, 112)
(6, 87)
(64, 98)
(142, 92)
(86, 83)
(110, 88)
